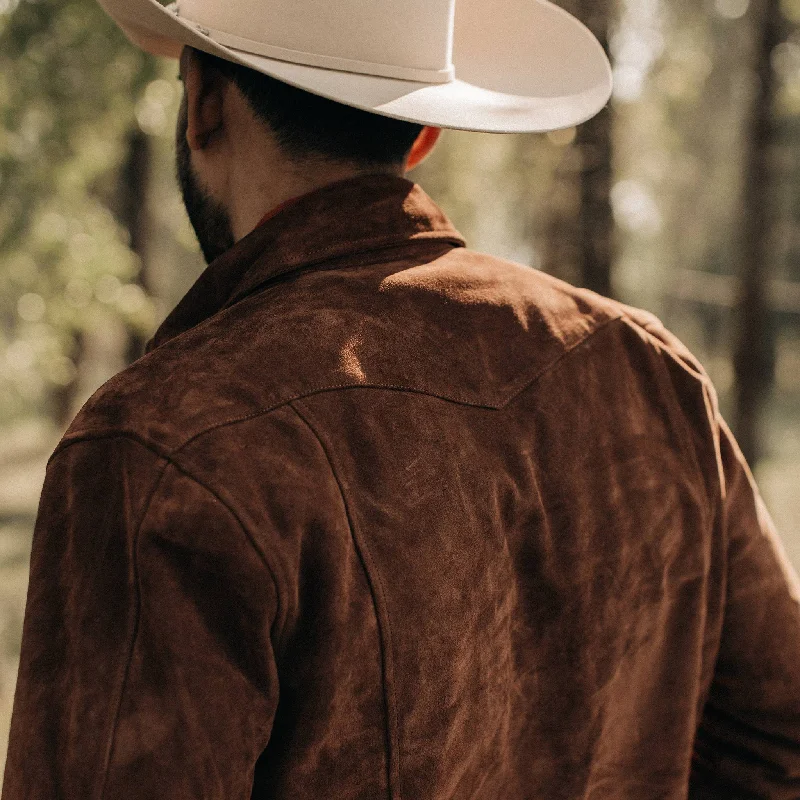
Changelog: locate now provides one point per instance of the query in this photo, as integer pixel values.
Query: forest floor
(25, 451)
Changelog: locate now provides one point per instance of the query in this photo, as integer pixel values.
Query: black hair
(306, 124)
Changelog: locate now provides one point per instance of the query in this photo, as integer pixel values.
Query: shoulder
(168, 398)
(570, 315)
(590, 339)
(651, 367)
(418, 327)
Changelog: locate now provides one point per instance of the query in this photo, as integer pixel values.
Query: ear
(422, 146)
(205, 93)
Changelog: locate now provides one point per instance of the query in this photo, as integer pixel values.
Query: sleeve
(748, 741)
(147, 668)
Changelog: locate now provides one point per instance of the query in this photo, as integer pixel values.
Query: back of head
(308, 126)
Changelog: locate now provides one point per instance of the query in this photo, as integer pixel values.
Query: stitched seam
(460, 401)
(153, 447)
(168, 454)
(137, 582)
(185, 471)
(385, 638)
(707, 388)
(264, 411)
(248, 535)
(135, 634)
(553, 364)
(336, 387)
(683, 426)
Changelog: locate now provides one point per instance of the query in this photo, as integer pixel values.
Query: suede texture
(377, 516)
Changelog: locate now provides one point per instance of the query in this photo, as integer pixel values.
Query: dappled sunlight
(350, 363)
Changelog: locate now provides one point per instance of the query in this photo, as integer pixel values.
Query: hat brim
(521, 66)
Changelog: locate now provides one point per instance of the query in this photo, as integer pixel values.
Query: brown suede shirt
(378, 516)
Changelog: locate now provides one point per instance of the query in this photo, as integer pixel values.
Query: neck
(252, 196)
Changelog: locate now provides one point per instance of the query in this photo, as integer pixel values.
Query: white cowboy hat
(502, 66)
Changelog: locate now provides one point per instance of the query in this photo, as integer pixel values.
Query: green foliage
(69, 83)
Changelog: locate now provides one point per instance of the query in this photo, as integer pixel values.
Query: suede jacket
(377, 516)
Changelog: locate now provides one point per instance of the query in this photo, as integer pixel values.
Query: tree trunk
(596, 218)
(594, 141)
(580, 230)
(754, 355)
(135, 215)
(563, 248)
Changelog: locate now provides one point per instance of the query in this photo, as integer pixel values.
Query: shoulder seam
(706, 386)
(651, 328)
(555, 363)
(168, 460)
(135, 632)
(132, 436)
(135, 548)
(227, 506)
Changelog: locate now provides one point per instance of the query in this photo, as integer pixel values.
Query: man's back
(378, 516)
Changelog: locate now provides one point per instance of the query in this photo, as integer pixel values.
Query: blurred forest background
(681, 198)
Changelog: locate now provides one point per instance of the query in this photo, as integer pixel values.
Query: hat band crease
(255, 48)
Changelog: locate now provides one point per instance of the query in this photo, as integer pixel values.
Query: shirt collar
(345, 218)
(277, 210)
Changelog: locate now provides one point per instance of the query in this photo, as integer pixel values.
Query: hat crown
(406, 39)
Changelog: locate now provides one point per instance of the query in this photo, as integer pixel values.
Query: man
(379, 516)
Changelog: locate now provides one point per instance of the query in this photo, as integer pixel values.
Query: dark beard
(211, 222)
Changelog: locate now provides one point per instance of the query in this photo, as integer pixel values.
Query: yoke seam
(384, 626)
(259, 412)
(553, 364)
(265, 410)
